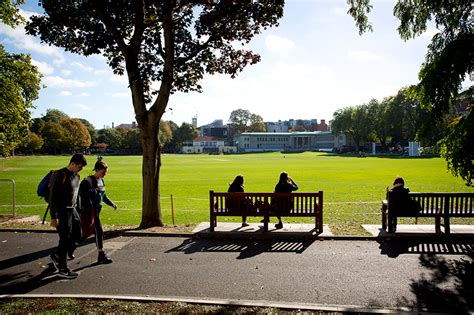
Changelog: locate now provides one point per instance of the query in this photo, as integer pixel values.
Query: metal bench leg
(384, 217)
(213, 223)
(265, 224)
(438, 225)
(447, 227)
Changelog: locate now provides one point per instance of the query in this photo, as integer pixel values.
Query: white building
(208, 145)
(286, 141)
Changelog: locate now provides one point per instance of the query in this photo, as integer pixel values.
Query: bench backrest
(262, 203)
(452, 204)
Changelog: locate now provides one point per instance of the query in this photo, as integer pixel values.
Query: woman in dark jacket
(238, 186)
(92, 192)
(285, 185)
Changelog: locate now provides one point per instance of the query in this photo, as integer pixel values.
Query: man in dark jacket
(64, 186)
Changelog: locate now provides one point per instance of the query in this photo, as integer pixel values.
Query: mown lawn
(353, 187)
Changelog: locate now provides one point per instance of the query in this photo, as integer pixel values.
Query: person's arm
(109, 202)
(86, 194)
(294, 187)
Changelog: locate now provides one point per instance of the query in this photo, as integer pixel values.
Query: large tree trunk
(151, 213)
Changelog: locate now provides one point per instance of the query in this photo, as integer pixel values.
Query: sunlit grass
(353, 187)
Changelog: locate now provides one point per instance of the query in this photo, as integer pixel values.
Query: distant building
(133, 125)
(205, 144)
(215, 129)
(299, 125)
(289, 141)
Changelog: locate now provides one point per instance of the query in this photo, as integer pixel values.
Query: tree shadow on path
(447, 282)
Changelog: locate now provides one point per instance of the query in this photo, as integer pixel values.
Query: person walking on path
(238, 186)
(285, 185)
(92, 192)
(64, 186)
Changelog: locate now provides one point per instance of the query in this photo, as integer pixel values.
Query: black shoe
(67, 274)
(55, 260)
(71, 256)
(103, 259)
(279, 225)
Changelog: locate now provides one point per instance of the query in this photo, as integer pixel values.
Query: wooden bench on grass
(267, 205)
(433, 205)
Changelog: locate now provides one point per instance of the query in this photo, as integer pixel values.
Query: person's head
(284, 177)
(100, 167)
(238, 180)
(399, 181)
(77, 162)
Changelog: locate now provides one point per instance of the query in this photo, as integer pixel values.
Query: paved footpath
(312, 274)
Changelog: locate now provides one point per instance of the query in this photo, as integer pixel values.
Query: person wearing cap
(92, 193)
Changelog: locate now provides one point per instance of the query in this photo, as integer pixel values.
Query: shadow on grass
(246, 248)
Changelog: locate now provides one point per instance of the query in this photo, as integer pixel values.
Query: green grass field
(353, 187)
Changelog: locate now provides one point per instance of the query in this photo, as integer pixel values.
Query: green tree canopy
(448, 61)
(76, 134)
(19, 87)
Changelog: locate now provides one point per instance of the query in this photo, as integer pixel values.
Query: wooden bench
(433, 205)
(267, 205)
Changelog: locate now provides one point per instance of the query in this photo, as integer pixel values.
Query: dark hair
(78, 158)
(399, 180)
(283, 177)
(100, 165)
(238, 180)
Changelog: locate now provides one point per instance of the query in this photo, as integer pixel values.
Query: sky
(312, 64)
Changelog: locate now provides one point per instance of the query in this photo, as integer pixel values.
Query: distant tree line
(56, 133)
(396, 120)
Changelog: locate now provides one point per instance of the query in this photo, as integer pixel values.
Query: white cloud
(58, 82)
(18, 38)
(119, 79)
(66, 73)
(43, 67)
(121, 94)
(365, 56)
(100, 72)
(82, 107)
(429, 33)
(82, 66)
(279, 45)
(65, 93)
(84, 94)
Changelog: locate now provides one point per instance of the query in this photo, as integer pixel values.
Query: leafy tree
(76, 134)
(378, 113)
(35, 142)
(242, 120)
(91, 129)
(256, 124)
(9, 12)
(19, 87)
(55, 115)
(173, 42)
(458, 146)
(185, 133)
(165, 135)
(447, 62)
(131, 139)
(239, 120)
(53, 134)
(110, 136)
(353, 122)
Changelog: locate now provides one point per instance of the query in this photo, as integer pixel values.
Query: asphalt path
(393, 274)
